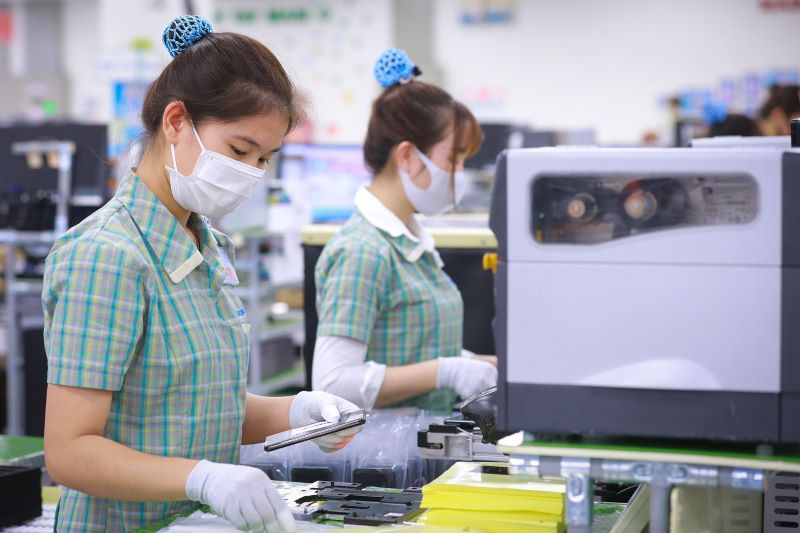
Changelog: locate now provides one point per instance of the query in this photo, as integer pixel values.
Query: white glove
(317, 406)
(465, 375)
(242, 495)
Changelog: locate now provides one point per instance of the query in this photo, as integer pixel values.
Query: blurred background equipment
(322, 179)
(52, 176)
(31, 164)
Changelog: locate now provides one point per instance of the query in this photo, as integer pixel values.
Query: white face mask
(438, 198)
(216, 186)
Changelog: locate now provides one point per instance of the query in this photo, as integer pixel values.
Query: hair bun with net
(715, 112)
(394, 66)
(183, 31)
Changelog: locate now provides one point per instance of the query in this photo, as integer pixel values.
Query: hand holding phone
(338, 433)
(310, 407)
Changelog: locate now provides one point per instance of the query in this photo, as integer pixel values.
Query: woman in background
(390, 319)
(781, 106)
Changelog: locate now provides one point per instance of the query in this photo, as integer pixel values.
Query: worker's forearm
(406, 381)
(106, 469)
(264, 416)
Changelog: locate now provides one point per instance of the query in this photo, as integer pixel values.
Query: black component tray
(20, 494)
(360, 505)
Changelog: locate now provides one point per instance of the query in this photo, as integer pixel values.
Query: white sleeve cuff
(339, 368)
(372, 383)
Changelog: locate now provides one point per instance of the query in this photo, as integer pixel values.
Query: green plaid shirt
(378, 289)
(131, 306)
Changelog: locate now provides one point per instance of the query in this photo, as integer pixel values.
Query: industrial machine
(52, 175)
(470, 437)
(737, 141)
(649, 292)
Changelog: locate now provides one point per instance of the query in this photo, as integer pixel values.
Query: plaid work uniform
(377, 289)
(133, 307)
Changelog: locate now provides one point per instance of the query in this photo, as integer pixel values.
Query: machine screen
(586, 209)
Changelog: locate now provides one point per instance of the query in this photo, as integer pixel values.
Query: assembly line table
(200, 521)
(662, 468)
(17, 450)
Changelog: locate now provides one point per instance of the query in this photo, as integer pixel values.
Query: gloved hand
(317, 406)
(467, 376)
(243, 495)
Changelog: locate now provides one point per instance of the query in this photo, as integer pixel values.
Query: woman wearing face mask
(147, 343)
(781, 106)
(390, 320)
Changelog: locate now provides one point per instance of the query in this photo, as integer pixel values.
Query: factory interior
(434, 266)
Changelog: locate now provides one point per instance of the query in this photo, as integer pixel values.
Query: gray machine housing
(537, 402)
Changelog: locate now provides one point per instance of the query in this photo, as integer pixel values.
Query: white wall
(605, 63)
(331, 60)
(562, 63)
(97, 47)
(80, 30)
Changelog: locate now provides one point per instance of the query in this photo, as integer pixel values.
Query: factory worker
(390, 319)
(722, 123)
(147, 342)
(781, 106)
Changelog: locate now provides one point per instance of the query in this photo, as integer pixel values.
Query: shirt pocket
(232, 310)
(236, 325)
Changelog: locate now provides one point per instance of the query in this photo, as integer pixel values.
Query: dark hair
(735, 124)
(223, 76)
(785, 97)
(422, 114)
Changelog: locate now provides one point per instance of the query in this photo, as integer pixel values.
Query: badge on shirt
(241, 316)
(230, 273)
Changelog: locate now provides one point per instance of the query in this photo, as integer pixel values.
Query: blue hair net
(715, 112)
(394, 66)
(183, 31)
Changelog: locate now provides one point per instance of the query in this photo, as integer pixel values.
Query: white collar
(382, 218)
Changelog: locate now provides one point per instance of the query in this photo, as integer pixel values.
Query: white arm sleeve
(339, 368)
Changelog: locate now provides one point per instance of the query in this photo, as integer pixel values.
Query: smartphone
(312, 431)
